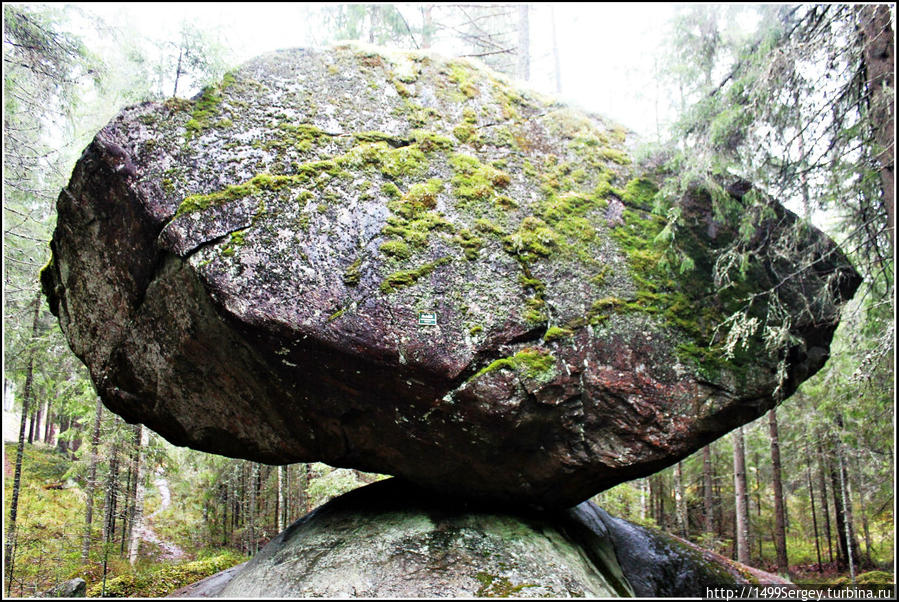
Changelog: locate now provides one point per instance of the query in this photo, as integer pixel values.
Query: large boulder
(406, 265)
(394, 540)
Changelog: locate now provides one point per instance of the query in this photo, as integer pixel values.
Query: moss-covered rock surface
(248, 273)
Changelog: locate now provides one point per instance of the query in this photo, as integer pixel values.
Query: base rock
(395, 540)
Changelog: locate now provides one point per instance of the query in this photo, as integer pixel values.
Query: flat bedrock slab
(245, 274)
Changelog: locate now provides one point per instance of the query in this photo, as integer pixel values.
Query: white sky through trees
(606, 50)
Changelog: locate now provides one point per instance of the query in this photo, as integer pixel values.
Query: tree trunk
(374, 13)
(780, 537)
(717, 496)
(838, 514)
(110, 503)
(130, 491)
(20, 449)
(36, 422)
(91, 483)
(282, 476)
(822, 486)
(707, 510)
(48, 432)
(288, 496)
(427, 26)
(555, 43)
(758, 483)
(847, 513)
(125, 512)
(842, 527)
(811, 494)
(644, 490)
(254, 472)
(680, 501)
(876, 34)
(758, 500)
(223, 499)
(660, 501)
(524, 43)
(61, 444)
(307, 476)
(741, 500)
(178, 71)
(31, 428)
(138, 517)
(856, 478)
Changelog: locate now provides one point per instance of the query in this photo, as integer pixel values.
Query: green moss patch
(164, 579)
(430, 141)
(493, 586)
(207, 108)
(301, 138)
(554, 333)
(470, 243)
(237, 239)
(475, 182)
(464, 132)
(463, 76)
(259, 183)
(416, 231)
(662, 256)
(534, 238)
(530, 362)
(394, 163)
(396, 248)
(406, 278)
(420, 197)
(352, 275)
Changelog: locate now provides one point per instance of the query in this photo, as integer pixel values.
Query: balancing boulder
(406, 265)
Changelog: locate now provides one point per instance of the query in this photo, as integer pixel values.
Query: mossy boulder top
(407, 265)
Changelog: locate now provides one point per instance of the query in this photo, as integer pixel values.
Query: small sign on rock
(427, 318)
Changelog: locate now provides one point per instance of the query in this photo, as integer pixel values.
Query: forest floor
(51, 524)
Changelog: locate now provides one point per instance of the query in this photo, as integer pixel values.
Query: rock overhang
(256, 289)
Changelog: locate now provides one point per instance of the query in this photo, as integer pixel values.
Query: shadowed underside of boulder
(247, 274)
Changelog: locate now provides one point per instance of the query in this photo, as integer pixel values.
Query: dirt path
(170, 551)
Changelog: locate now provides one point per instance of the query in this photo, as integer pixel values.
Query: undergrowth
(49, 530)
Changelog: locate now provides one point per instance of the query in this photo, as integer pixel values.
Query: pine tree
(680, 501)
(811, 494)
(524, 43)
(707, 495)
(91, 482)
(741, 499)
(10, 549)
(780, 538)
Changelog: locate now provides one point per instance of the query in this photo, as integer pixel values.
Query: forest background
(798, 99)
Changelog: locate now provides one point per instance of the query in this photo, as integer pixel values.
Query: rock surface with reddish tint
(406, 265)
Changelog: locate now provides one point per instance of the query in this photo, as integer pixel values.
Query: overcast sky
(606, 50)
